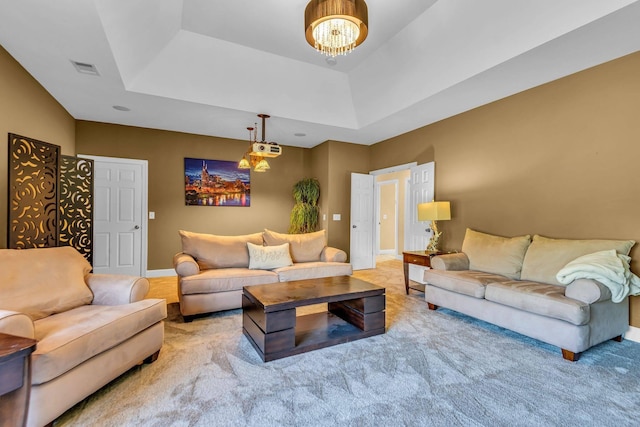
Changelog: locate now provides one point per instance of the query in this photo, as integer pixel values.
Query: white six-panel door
(120, 233)
(421, 190)
(362, 219)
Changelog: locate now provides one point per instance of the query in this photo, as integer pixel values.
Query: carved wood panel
(33, 193)
(76, 205)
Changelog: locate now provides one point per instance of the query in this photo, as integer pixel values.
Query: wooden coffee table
(355, 310)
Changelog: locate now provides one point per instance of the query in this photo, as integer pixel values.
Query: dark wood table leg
(405, 265)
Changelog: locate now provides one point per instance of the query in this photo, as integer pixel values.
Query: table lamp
(434, 211)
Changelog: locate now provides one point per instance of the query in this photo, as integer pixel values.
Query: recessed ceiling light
(299, 134)
(121, 108)
(331, 60)
(85, 68)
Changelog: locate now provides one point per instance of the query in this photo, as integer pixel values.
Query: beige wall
(387, 216)
(28, 110)
(343, 159)
(560, 160)
(320, 170)
(271, 199)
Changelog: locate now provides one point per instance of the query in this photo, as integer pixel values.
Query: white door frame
(378, 220)
(144, 233)
(398, 168)
(407, 206)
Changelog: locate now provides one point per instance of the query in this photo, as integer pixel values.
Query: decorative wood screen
(33, 193)
(76, 205)
(50, 197)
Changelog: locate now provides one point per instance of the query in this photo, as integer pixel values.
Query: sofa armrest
(587, 290)
(455, 262)
(117, 289)
(185, 265)
(330, 254)
(15, 323)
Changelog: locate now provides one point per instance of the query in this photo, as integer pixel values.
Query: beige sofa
(213, 269)
(90, 328)
(512, 283)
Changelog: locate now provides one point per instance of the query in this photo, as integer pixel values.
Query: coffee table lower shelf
(311, 332)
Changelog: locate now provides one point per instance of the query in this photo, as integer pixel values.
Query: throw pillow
(546, 257)
(211, 251)
(495, 254)
(268, 257)
(304, 247)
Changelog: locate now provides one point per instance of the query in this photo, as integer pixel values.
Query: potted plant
(305, 213)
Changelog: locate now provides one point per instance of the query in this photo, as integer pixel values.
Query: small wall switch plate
(336, 217)
(324, 217)
(152, 215)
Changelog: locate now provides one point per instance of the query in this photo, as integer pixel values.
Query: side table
(422, 258)
(15, 379)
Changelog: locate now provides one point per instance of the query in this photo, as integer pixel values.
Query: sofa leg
(570, 355)
(432, 306)
(151, 358)
(188, 319)
(618, 338)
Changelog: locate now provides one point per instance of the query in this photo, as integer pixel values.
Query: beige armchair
(90, 328)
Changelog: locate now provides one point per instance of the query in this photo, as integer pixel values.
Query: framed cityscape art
(215, 183)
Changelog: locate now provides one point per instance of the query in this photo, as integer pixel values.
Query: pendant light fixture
(336, 27)
(255, 156)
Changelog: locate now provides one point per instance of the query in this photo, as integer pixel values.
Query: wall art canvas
(215, 183)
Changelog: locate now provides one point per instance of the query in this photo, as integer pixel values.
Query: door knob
(354, 226)
(137, 227)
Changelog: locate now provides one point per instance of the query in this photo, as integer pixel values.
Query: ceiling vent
(84, 68)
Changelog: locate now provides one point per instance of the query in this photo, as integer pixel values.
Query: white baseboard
(387, 252)
(633, 334)
(161, 273)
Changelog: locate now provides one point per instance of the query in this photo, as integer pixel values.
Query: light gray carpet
(430, 368)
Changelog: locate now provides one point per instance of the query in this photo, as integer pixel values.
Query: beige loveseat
(512, 283)
(213, 269)
(90, 328)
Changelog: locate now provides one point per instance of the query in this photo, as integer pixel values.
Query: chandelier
(255, 156)
(336, 27)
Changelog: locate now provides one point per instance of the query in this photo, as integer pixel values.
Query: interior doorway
(120, 215)
(415, 184)
(392, 191)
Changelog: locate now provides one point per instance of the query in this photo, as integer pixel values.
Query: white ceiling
(209, 66)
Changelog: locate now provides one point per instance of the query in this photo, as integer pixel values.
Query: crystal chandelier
(336, 27)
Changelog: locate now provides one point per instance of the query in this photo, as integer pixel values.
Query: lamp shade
(336, 27)
(434, 211)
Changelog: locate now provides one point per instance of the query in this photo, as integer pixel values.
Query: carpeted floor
(430, 368)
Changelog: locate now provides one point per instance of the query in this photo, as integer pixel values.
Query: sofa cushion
(212, 251)
(43, 281)
(304, 247)
(224, 280)
(539, 298)
(467, 282)
(313, 270)
(495, 254)
(67, 339)
(546, 257)
(268, 257)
